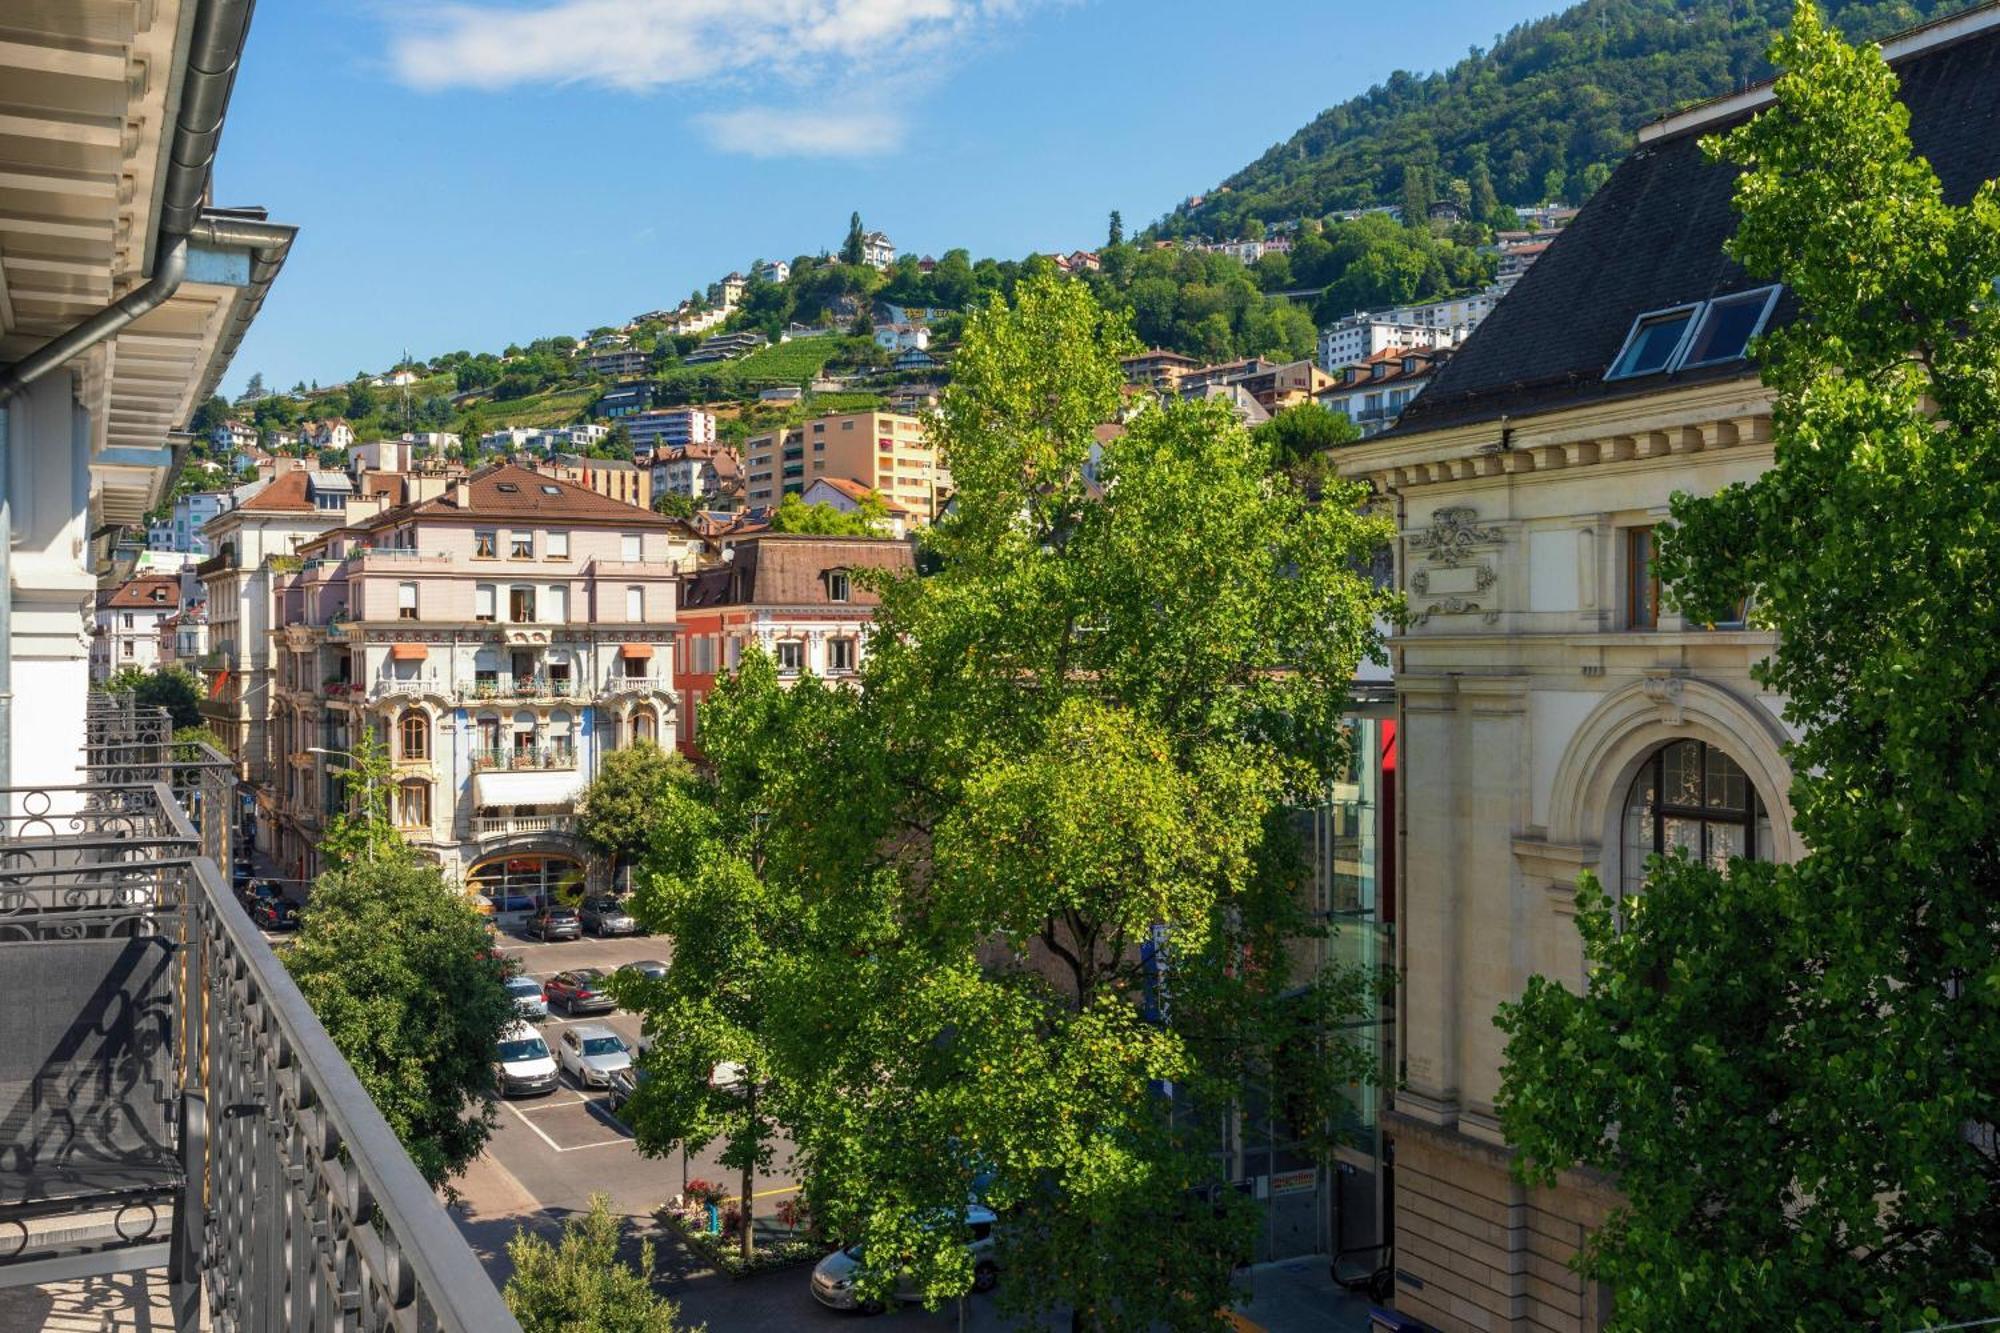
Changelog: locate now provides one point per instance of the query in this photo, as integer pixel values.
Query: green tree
(1485, 203)
(210, 415)
(705, 887)
(580, 1285)
(175, 689)
(854, 249)
(1301, 440)
(619, 814)
(1794, 1071)
(397, 966)
(363, 829)
(125, 680)
(1067, 744)
(674, 505)
(1116, 234)
(1416, 195)
(361, 400)
(870, 517)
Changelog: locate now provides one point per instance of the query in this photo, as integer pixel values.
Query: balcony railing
(501, 826)
(638, 685)
(513, 760)
(173, 1101)
(522, 687)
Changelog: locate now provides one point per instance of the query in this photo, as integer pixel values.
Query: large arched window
(1691, 796)
(414, 731)
(645, 727)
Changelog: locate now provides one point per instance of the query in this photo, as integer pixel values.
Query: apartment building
(705, 473)
(498, 639)
(1555, 717)
(1357, 338)
(666, 427)
(1158, 369)
(881, 450)
(793, 595)
(1374, 393)
(618, 362)
(254, 541)
(126, 628)
(613, 478)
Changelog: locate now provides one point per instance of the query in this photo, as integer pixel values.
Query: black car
(275, 914)
(555, 923)
(623, 1084)
(651, 968)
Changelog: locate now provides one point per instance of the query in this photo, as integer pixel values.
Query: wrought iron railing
(224, 1130)
(547, 757)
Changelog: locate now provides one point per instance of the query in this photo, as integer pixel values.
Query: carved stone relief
(1455, 578)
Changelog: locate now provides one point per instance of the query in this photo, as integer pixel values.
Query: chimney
(461, 494)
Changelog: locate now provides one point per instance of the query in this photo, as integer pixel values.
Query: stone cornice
(1677, 421)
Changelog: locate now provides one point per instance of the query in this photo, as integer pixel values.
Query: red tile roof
(858, 492)
(285, 495)
(151, 592)
(509, 491)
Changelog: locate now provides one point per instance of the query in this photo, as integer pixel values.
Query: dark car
(650, 968)
(604, 916)
(275, 914)
(582, 991)
(259, 891)
(555, 923)
(623, 1084)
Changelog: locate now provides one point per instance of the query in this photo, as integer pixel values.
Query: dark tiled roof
(1652, 237)
(790, 569)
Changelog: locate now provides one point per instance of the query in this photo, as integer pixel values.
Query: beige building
(1553, 716)
(881, 450)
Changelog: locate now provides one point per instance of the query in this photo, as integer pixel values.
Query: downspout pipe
(214, 50)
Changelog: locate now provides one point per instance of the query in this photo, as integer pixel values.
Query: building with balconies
(882, 450)
(497, 640)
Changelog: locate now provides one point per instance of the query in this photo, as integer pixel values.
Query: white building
(127, 628)
(180, 530)
(670, 426)
(233, 435)
(877, 251)
(774, 270)
(698, 471)
(903, 337)
(1365, 333)
(507, 440)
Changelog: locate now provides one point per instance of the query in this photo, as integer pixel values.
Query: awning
(637, 650)
(533, 788)
(408, 652)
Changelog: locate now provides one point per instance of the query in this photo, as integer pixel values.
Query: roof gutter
(215, 48)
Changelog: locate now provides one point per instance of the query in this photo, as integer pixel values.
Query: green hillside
(1541, 116)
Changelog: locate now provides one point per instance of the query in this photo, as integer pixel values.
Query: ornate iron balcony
(171, 1098)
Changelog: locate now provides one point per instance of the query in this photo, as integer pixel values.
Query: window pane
(1728, 789)
(1638, 830)
(1682, 780)
(1653, 346)
(1726, 328)
(1724, 842)
(1680, 835)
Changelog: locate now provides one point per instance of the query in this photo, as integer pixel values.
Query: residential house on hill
(1374, 393)
(125, 631)
(848, 495)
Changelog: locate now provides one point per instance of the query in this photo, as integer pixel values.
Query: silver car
(526, 994)
(592, 1053)
(833, 1277)
(603, 916)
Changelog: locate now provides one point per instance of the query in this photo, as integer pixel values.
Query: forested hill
(1543, 115)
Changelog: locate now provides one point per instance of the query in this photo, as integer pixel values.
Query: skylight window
(1728, 325)
(506, 487)
(1701, 333)
(551, 490)
(1654, 343)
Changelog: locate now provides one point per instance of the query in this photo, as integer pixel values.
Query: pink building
(500, 637)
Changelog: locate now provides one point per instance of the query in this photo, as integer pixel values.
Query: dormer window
(1701, 333)
(837, 589)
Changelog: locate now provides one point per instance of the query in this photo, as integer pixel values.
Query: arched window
(645, 727)
(562, 739)
(415, 734)
(1691, 796)
(413, 805)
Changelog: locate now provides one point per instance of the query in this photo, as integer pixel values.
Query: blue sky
(496, 170)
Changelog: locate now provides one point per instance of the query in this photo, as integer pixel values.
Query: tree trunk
(749, 1165)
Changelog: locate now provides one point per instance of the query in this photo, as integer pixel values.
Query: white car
(525, 1067)
(526, 994)
(592, 1053)
(833, 1277)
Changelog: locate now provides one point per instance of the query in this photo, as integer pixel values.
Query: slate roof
(1652, 237)
(790, 569)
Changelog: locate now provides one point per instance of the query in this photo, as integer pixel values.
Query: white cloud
(641, 45)
(763, 131)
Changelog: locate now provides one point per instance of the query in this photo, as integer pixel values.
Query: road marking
(555, 1106)
(518, 1115)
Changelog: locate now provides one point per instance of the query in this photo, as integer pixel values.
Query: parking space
(563, 1147)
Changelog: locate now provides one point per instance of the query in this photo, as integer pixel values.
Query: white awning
(533, 788)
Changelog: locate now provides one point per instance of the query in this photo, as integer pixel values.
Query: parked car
(651, 968)
(529, 1002)
(525, 1067)
(592, 1053)
(833, 1277)
(581, 991)
(623, 1084)
(604, 916)
(509, 902)
(275, 914)
(258, 891)
(555, 923)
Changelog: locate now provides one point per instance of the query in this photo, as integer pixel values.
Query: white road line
(553, 1106)
(553, 1145)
